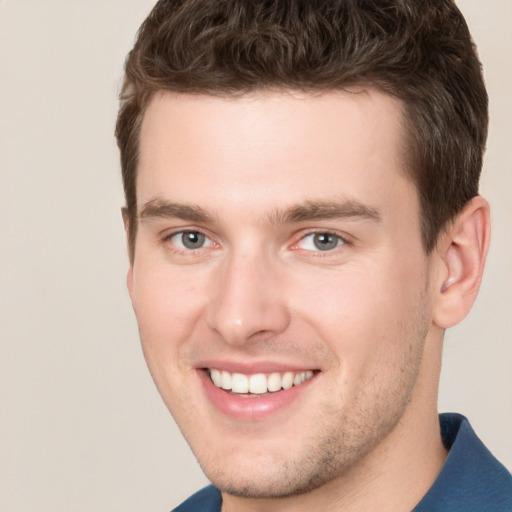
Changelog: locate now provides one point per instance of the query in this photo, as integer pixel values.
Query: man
(303, 224)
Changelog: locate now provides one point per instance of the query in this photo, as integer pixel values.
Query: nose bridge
(247, 299)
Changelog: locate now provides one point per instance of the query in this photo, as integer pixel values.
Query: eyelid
(343, 239)
(167, 240)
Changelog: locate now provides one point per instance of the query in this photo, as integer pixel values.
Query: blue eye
(190, 240)
(320, 242)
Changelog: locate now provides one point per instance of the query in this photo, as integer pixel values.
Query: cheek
(167, 311)
(341, 303)
(360, 313)
(167, 305)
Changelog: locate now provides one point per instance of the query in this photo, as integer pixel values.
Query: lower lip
(253, 407)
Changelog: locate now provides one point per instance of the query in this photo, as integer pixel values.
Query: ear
(461, 253)
(129, 276)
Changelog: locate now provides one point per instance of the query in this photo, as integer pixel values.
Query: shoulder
(205, 500)
(471, 478)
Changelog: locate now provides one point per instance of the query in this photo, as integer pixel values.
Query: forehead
(299, 145)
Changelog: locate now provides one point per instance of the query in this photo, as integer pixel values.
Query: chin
(260, 475)
(266, 486)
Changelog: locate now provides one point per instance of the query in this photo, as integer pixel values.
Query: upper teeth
(258, 383)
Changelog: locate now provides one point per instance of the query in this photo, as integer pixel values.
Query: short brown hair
(417, 50)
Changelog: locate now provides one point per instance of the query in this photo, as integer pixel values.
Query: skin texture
(367, 315)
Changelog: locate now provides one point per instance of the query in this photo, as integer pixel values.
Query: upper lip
(250, 368)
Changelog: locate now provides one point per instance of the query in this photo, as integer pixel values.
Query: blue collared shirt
(471, 479)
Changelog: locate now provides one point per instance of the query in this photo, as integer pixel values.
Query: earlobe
(461, 252)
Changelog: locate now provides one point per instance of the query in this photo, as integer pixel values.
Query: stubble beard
(343, 437)
(341, 441)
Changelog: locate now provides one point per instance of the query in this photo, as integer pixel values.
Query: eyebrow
(159, 208)
(309, 210)
(315, 210)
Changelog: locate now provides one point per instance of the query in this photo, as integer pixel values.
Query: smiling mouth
(258, 383)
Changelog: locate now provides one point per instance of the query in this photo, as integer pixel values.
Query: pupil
(193, 240)
(325, 242)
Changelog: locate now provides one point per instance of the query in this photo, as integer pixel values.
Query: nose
(247, 302)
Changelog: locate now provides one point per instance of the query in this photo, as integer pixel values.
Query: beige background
(81, 426)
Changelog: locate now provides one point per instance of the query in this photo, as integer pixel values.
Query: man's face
(278, 242)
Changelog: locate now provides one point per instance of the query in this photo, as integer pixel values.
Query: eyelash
(186, 251)
(341, 241)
